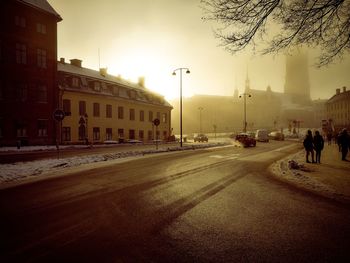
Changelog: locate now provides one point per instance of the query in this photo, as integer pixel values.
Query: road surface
(213, 205)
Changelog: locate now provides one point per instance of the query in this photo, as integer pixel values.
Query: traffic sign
(156, 122)
(58, 115)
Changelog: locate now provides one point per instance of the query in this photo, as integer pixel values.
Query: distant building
(338, 109)
(28, 89)
(100, 107)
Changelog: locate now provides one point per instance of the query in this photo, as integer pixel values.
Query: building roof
(43, 5)
(143, 94)
(344, 95)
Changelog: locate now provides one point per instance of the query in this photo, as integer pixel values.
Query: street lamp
(174, 74)
(200, 119)
(244, 95)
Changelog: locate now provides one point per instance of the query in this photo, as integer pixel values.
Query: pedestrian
(329, 138)
(344, 143)
(318, 145)
(309, 147)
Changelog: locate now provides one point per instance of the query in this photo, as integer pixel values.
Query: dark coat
(318, 142)
(308, 143)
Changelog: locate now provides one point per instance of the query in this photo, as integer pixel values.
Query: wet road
(213, 205)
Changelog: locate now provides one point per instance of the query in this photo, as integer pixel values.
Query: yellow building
(338, 109)
(100, 107)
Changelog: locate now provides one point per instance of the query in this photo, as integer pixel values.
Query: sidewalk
(331, 178)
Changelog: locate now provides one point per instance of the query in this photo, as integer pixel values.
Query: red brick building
(28, 68)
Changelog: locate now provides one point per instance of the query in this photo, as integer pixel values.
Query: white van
(262, 136)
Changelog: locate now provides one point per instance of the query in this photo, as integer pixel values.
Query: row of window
(20, 92)
(22, 128)
(338, 106)
(21, 55)
(109, 111)
(21, 21)
(96, 134)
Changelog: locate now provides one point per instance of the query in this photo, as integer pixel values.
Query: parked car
(200, 138)
(262, 136)
(276, 135)
(245, 140)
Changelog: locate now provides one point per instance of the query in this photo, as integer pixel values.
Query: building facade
(28, 88)
(100, 107)
(338, 109)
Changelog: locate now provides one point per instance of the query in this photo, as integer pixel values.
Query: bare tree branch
(315, 23)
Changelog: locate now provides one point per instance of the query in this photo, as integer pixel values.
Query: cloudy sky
(151, 38)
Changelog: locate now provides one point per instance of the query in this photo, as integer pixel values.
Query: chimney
(62, 60)
(76, 62)
(141, 82)
(337, 91)
(344, 89)
(103, 71)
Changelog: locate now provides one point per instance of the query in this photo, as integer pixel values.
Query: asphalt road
(213, 205)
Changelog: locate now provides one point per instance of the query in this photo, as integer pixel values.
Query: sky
(151, 38)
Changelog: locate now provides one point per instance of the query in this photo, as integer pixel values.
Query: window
(142, 115)
(82, 132)
(150, 116)
(115, 91)
(96, 133)
(66, 107)
(120, 133)
(141, 135)
(150, 135)
(41, 58)
(96, 110)
(132, 114)
(164, 117)
(20, 21)
(157, 135)
(132, 94)
(82, 108)
(120, 112)
(108, 134)
(21, 92)
(97, 86)
(75, 82)
(41, 28)
(42, 93)
(21, 129)
(165, 135)
(42, 128)
(21, 53)
(108, 111)
(158, 115)
(66, 134)
(132, 134)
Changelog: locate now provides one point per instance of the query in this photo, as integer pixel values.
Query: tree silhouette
(280, 25)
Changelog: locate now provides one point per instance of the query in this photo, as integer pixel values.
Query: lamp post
(174, 74)
(244, 95)
(200, 119)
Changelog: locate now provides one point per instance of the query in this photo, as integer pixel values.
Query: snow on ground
(17, 172)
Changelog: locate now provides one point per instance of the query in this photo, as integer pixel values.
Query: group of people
(314, 144)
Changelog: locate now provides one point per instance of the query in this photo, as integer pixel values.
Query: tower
(297, 83)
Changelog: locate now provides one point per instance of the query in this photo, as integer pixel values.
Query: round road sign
(58, 115)
(156, 122)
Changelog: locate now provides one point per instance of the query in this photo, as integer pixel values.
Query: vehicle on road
(200, 138)
(276, 135)
(245, 139)
(262, 136)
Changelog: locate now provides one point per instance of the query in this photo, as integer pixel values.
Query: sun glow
(148, 63)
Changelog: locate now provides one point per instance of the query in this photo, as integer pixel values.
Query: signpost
(58, 116)
(156, 122)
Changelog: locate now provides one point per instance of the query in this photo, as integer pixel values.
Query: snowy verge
(292, 170)
(13, 173)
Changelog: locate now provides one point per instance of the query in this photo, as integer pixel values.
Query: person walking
(309, 147)
(344, 143)
(318, 145)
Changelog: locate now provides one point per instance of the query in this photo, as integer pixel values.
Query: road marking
(231, 156)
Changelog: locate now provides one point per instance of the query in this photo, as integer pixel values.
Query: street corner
(321, 179)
